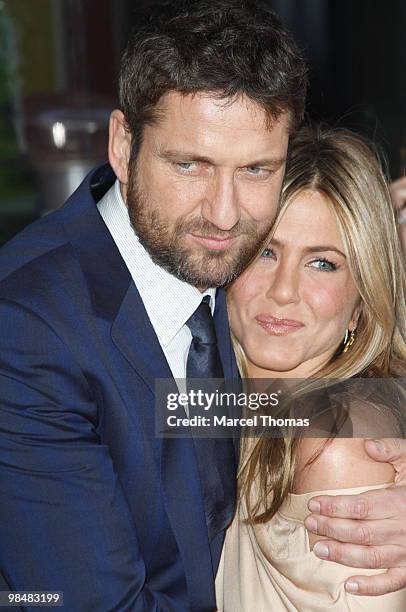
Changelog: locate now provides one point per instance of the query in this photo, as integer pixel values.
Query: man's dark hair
(223, 47)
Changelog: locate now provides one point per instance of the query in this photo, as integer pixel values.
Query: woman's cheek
(241, 297)
(247, 287)
(327, 301)
(236, 308)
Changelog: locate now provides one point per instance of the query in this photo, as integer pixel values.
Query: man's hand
(398, 193)
(367, 530)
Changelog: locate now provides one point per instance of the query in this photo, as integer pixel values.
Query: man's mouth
(214, 243)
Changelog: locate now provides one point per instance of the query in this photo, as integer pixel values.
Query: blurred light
(59, 134)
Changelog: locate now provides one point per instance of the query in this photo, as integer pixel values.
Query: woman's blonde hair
(346, 170)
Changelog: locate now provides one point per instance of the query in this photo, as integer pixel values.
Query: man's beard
(199, 267)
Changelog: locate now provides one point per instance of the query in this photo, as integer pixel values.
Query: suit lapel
(134, 336)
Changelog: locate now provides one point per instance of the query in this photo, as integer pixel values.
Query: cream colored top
(270, 567)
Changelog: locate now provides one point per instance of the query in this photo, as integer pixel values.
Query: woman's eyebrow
(320, 249)
(313, 249)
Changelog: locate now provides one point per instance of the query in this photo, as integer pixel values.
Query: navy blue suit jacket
(91, 502)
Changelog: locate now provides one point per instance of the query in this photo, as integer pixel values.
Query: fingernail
(351, 587)
(321, 550)
(314, 506)
(311, 524)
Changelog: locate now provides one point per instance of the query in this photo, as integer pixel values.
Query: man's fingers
(380, 584)
(366, 533)
(375, 504)
(400, 182)
(367, 557)
(399, 198)
(390, 450)
(398, 192)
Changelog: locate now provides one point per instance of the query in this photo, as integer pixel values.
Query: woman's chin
(283, 365)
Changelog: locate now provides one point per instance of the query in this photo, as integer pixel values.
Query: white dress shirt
(169, 302)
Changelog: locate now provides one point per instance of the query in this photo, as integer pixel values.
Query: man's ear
(119, 146)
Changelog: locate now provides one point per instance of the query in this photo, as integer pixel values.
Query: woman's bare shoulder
(342, 462)
(337, 463)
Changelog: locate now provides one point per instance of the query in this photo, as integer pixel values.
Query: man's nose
(221, 206)
(283, 287)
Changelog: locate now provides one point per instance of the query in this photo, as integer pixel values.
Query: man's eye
(268, 253)
(258, 171)
(186, 165)
(324, 265)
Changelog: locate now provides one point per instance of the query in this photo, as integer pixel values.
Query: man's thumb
(387, 450)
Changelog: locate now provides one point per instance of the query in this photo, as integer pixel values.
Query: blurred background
(58, 77)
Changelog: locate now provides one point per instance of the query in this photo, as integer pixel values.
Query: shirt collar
(169, 302)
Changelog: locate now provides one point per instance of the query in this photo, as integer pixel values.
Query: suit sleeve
(64, 521)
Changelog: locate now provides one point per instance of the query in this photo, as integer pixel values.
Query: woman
(325, 299)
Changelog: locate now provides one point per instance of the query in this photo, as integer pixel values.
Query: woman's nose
(284, 285)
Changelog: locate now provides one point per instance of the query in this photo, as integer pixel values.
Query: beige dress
(270, 567)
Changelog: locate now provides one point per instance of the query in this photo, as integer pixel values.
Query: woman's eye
(324, 265)
(268, 253)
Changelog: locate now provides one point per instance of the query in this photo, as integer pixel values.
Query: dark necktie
(203, 358)
(204, 362)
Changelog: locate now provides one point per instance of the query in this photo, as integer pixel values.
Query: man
(99, 299)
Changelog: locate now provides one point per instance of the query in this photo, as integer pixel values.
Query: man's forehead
(204, 126)
(212, 109)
